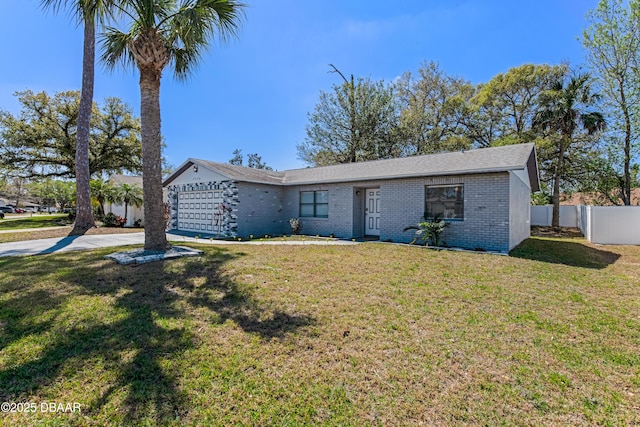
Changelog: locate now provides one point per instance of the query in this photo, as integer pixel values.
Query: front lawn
(374, 334)
(36, 221)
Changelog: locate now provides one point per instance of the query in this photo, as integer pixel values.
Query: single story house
(484, 194)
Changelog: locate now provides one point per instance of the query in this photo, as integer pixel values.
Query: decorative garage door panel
(200, 211)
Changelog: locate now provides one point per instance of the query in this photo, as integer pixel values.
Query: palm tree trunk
(126, 205)
(154, 230)
(555, 196)
(84, 212)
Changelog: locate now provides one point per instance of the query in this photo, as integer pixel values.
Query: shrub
(137, 223)
(296, 225)
(112, 220)
(429, 231)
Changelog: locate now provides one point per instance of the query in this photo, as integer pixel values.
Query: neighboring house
(133, 213)
(3, 202)
(484, 194)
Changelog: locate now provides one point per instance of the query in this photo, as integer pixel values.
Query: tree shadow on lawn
(151, 303)
(564, 252)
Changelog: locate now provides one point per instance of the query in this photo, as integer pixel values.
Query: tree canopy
(612, 44)
(432, 106)
(41, 140)
(502, 110)
(355, 121)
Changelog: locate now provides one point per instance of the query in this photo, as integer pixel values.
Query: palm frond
(188, 27)
(193, 27)
(593, 122)
(114, 46)
(99, 9)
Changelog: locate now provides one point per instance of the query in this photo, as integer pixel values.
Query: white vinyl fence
(610, 225)
(605, 225)
(541, 215)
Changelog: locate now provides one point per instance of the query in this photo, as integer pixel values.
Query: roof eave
(405, 176)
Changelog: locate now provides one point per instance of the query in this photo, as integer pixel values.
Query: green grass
(36, 221)
(372, 334)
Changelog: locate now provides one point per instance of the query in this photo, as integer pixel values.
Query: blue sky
(254, 92)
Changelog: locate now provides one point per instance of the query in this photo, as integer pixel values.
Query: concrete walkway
(79, 243)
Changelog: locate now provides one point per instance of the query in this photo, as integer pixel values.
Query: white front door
(372, 212)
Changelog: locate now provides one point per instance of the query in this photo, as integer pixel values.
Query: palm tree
(162, 32)
(102, 191)
(129, 195)
(87, 11)
(565, 109)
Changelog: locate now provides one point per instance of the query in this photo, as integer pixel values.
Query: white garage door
(200, 211)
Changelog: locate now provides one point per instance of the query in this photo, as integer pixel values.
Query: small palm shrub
(429, 232)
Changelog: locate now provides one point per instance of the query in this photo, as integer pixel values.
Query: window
(314, 204)
(444, 201)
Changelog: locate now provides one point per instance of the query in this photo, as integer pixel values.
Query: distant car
(6, 209)
(19, 210)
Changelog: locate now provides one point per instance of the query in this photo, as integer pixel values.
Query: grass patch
(325, 335)
(36, 221)
(19, 236)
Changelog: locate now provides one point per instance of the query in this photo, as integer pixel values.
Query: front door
(372, 212)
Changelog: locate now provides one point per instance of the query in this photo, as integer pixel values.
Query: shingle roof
(498, 159)
(243, 173)
(484, 160)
